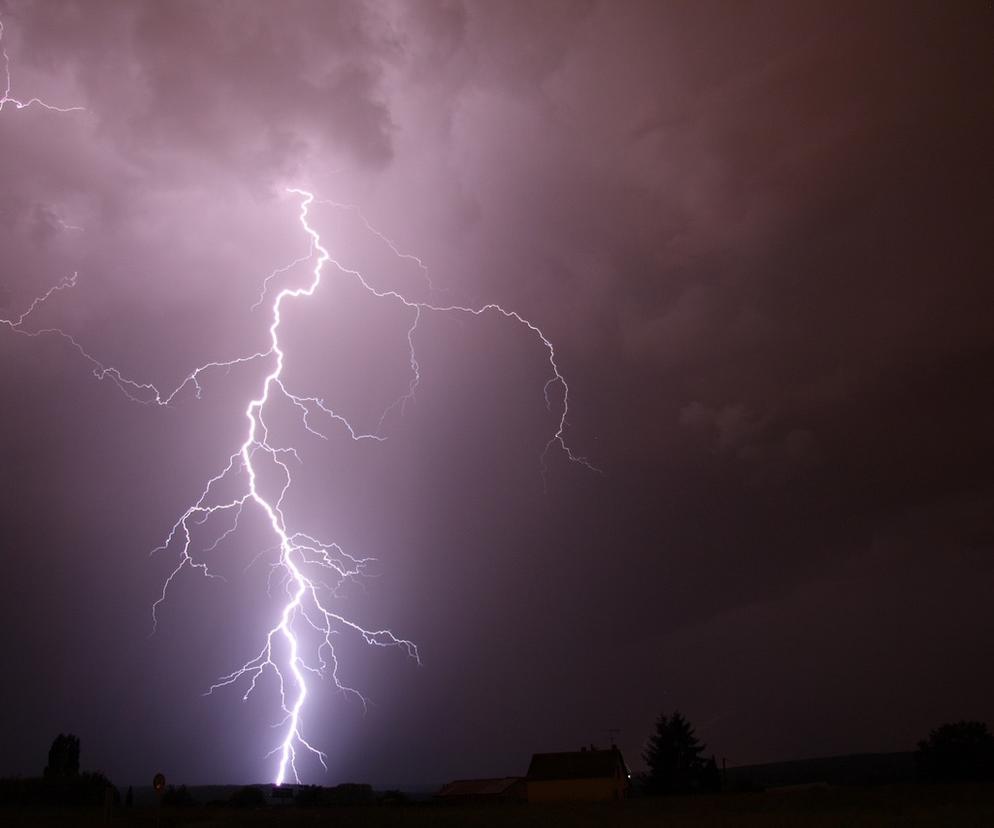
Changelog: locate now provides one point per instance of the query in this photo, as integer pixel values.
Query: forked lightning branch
(298, 648)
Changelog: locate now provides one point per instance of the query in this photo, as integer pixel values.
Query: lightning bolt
(304, 560)
(312, 570)
(303, 557)
(8, 99)
(16, 323)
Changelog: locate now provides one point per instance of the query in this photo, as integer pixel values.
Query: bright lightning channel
(305, 560)
(299, 551)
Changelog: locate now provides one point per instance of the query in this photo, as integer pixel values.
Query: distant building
(347, 793)
(586, 775)
(505, 789)
(282, 794)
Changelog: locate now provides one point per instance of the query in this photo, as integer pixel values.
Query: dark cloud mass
(759, 235)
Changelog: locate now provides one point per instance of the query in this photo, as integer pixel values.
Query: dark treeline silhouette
(63, 757)
(61, 782)
(675, 761)
(675, 758)
(957, 752)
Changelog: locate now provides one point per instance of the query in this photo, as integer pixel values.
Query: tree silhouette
(955, 752)
(63, 784)
(673, 754)
(63, 756)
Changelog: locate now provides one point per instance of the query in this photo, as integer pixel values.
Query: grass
(903, 805)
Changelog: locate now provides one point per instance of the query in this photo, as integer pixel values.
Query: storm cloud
(759, 237)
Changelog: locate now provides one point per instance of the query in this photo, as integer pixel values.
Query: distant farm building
(282, 794)
(348, 793)
(504, 789)
(586, 775)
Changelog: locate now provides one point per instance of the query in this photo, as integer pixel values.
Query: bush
(960, 751)
(84, 789)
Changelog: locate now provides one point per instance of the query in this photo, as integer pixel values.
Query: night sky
(759, 236)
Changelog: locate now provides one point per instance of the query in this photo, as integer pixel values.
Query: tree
(63, 756)
(673, 755)
(63, 784)
(956, 752)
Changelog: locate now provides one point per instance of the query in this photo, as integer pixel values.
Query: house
(504, 789)
(586, 775)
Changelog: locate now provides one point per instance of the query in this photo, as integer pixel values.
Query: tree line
(676, 760)
(61, 782)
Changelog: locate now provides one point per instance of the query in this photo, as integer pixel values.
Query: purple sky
(759, 236)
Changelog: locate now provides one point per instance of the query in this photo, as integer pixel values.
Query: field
(904, 805)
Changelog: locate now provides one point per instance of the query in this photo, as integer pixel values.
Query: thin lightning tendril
(8, 99)
(305, 562)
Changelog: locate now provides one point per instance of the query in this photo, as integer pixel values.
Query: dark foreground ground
(907, 805)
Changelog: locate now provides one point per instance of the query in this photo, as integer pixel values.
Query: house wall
(575, 790)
